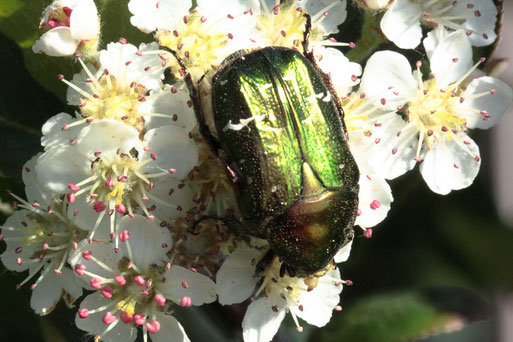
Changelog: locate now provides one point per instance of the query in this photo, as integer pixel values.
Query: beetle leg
(306, 34)
(265, 261)
(196, 105)
(232, 224)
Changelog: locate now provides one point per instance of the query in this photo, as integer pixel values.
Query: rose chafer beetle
(278, 127)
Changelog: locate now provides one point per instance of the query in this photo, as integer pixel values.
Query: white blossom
(402, 21)
(284, 24)
(311, 299)
(111, 172)
(39, 238)
(119, 89)
(437, 113)
(344, 74)
(202, 37)
(69, 25)
(134, 288)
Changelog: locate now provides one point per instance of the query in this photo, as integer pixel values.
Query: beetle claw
(282, 270)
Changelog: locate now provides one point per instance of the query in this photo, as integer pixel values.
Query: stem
(371, 38)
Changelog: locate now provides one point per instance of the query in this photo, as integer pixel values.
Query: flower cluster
(129, 202)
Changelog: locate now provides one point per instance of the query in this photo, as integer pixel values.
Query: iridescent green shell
(283, 135)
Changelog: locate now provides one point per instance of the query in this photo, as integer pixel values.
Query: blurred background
(439, 268)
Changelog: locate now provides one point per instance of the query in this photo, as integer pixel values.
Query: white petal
(84, 22)
(434, 38)
(146, 15)
(455, 45)
(401, 24)
(32, 188)
(200, 288)
(94, 325)
(261, 322)
(80, 80)
(54, 135)
(340, 69)
(451, 164)
(107, 136)
(496, 105)
(48, 292)
(171, 104)
(361, 147)
(60, 166)
(395, 133)
(56, 43)
(214, 12)
(236, 278)
(13, 229)
(174, 150)
(171, 198)
(115, 57)
(482, 25)
(343, 254)
(102, 251)
(373, 188)
(319, 303)
(336, 14)
(152, 78)
(153, 15)
(86, 218)
(387, 72)
(148, 241)
(170, 329)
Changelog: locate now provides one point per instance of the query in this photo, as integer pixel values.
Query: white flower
(374, 200)
(437, 112)
(134, 286)
(311, 299)
(69, 24)
(59, 130)
(169, 105)
(111, 172)
(39, 238)
(118, 90)
(203, 37)
(344, 74)
(402, 21)
(283, 24)
(362, 117)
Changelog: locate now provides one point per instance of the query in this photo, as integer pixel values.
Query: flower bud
(68, 29)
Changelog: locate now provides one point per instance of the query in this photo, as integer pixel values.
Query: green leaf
(49, 332)
(24, 107)
(399, 316)
(481, 245)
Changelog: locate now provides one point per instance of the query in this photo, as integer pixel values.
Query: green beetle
(277, 125)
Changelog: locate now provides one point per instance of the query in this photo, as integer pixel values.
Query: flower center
(59, 17)
(283, 25)
(195, 43)
(114, 99)
(134, 296)
(289, 288)
(210, 177)
(117, 183)
(355, 112)
(433, 111)
(201, 249)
